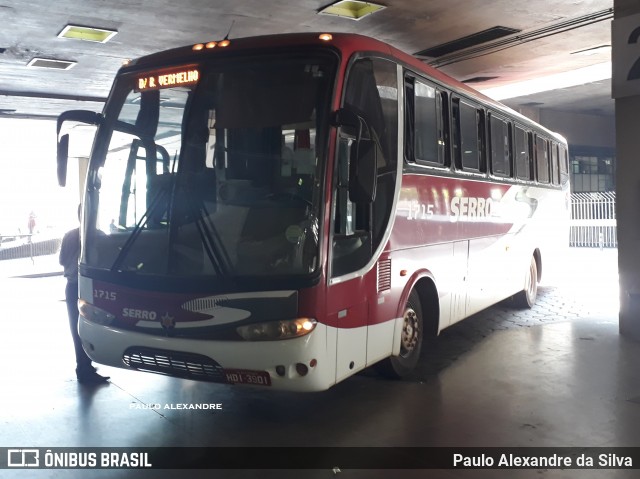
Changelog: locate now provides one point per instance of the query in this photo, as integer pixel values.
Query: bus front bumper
(299, 364)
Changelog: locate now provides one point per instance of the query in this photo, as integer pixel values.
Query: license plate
(243, 376)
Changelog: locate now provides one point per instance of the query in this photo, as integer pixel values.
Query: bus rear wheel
(400, 366)
(527, 297)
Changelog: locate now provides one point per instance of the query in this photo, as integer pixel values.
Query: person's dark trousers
(83, 363)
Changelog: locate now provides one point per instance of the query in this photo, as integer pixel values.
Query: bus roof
(346, 43)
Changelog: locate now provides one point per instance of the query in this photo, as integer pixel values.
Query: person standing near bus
(31, 225)
(69, 255)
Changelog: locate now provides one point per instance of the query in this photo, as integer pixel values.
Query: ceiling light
(352, 9)
(89, 34)
(51, 64)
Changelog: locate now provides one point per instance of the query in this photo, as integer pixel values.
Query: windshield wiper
(164, 191)
(213, 246)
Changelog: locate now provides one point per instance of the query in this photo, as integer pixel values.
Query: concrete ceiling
(590, 99)
(550, 32)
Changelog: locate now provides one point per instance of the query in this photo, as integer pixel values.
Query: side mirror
(347, 118)
(82, 116)
(363, 158)
(63, 156)
(363, 171)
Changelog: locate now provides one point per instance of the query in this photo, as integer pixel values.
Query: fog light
(280, 370)
(302, 369)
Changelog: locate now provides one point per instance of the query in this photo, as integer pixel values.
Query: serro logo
(23, 458)
(139, 314)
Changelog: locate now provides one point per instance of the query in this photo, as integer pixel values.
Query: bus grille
(173, 363)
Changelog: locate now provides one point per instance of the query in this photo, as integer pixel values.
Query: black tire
(526, 298)
(397, 367)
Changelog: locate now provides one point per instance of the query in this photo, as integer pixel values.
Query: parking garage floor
(559, 375)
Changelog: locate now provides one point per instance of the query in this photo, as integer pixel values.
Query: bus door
(351, 250)
(360, 229)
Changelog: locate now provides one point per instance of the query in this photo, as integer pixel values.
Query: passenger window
(564, 166)
(428, 130)
(523, 160)
(542, 160)
(500, 147)
(467, 128)
(555, 169)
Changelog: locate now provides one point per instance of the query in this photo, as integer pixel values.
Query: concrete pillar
(83, 166)
(628, 172)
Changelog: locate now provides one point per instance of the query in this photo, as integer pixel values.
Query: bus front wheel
(400, 366)
(527, 297)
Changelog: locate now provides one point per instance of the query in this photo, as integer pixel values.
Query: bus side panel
(347, 310)
(493, 275)
(445, 263)
(459, 268)
(385, 290)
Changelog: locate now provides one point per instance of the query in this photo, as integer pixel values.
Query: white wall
(580, 129)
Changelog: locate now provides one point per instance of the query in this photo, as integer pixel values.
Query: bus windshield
(211, 169)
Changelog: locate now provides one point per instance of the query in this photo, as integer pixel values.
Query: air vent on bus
(469, 41)
(384, 275)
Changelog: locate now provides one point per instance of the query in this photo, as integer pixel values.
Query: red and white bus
(288, 210)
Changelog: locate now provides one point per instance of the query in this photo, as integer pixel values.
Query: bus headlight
(274, 330)
(94, 314)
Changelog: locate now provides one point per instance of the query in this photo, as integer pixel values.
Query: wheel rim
(410, 333)
(532, 281)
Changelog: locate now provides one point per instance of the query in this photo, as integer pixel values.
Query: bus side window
(409, 120)
(372, 93)
(346, 217)
(523, 158)
(564, 166)
(352, 245)
(555, 170)
(442, 99)
(468, 125)
(455, 133)
(428, 130)
(500, 147)
(542, 160)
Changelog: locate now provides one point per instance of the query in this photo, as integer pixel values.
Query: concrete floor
(558, 375)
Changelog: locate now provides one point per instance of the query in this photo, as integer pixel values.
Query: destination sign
(167, 79)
